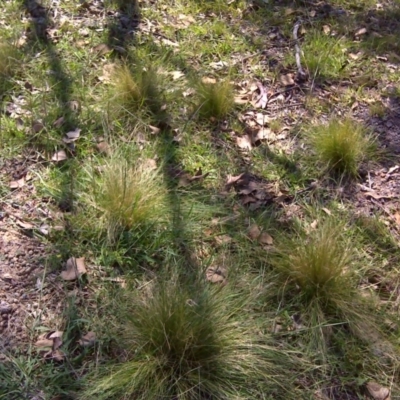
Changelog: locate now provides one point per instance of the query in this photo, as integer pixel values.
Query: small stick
(302, 76)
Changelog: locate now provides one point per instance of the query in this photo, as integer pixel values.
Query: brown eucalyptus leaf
(75, 268)
(254, 232)
(378, 392)
(264, 134)
(17, 184)
(88, 340)
(216, 275)
(103, 147)
(244, 142)
(177, 75)
(57, 355)
(60, 155)
(24, 225)
(266, 239)
(37, 127)
(101, 49)
(72, 136)
(262, 119)
(44, 342)
(287, 80)
(58, 122)
(154, 130)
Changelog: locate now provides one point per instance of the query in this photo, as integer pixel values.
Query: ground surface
(69, 50)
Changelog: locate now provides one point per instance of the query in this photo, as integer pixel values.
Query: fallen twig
(302, 75)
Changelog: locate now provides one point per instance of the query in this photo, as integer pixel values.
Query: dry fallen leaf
(103, 147)
(326, 210)
(150, 164)
(154, 129)
(360, 32)
(254, 232)
(216, 275)
(262, 119)
(231, 180)
(326, 29)
(72, 136)
(37, 127)
(88, 340)
(287, 80)
(264, 134)
(208, 80)
(177, 75)
(75, 269)
(24, 225)
(222, 239)
(377, 391)
(44, 342)
(60, 155)
(244, 99)
(244, 142)
(17, 184)
(266, 239)
(58, 122)
(101, 49)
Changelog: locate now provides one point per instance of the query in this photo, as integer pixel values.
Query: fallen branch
(302, 75)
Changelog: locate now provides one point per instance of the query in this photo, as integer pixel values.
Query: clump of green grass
(9, 61)
(318, 263)
(136, 88)
(320, 269)
(377, 109)
(342, 146)
(324, 55)
(130, 195)
(216, 100)
(185, 342)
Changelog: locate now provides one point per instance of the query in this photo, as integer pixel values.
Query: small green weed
(342, 146)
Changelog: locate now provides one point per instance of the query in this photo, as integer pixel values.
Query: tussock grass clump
(319, 270)
(216, 100)
(319, 264)
(186, 342)
(342, 146)
(130, 195)
(136, 88)
(9, 61)
(324, 55)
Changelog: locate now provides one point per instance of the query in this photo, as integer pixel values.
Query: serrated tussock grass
(342, 146)
(130, 194)
(324, 55)
(185, 342)
(136, 88)
(320, 271)
(216, 100)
